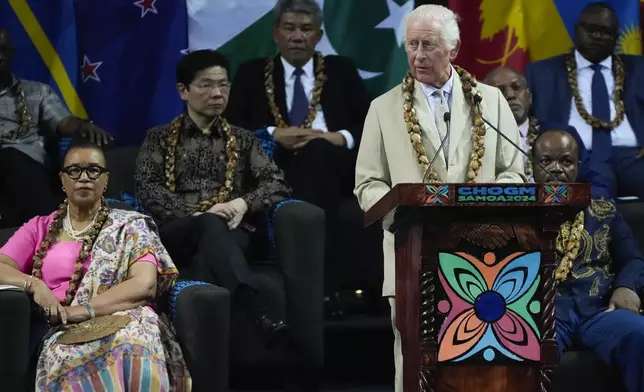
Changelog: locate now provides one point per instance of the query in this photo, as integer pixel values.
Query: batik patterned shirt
(609, 257)
(201, 169)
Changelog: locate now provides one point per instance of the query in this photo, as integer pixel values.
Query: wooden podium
(475, 282)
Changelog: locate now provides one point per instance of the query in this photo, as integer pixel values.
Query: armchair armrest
(201, 315)
(266, 141)
(14, 339)
(298, 230)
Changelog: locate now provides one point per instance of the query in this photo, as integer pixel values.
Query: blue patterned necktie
(602, 143)
(300, 104)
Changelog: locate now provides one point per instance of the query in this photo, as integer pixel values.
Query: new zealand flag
(112, 61)
(128, 51)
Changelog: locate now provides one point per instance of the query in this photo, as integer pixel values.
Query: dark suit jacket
(552, 97)
(345, 100)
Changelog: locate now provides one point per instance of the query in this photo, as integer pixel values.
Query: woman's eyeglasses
(75, 172)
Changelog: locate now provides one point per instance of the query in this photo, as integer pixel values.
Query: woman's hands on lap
(53, 311)
(76, 314)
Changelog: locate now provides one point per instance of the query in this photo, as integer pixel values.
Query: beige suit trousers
(398, 358)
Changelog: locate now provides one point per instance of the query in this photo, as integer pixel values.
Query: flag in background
(127, 54)
(44, 35)
(112, 61)
(243, 30)
(513, 32)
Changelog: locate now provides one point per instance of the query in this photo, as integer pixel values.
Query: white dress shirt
(523, 131)
(623, 135)
(308, 82)
(432, 100)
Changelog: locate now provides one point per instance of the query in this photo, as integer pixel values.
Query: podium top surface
(479, 195)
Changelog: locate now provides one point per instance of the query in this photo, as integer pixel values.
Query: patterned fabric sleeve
(52, 110)
(150, 182)
(271, 185)
(143, 244)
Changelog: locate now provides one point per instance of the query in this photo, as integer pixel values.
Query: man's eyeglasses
(75, 172)
(210, 87)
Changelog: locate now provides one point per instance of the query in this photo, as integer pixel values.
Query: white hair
(447, 19)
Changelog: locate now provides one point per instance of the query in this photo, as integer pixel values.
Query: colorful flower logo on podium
(555, 194)
(490, 307)
(436, 194)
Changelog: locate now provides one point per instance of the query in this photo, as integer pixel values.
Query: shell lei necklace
(21, 111)
(269, 86)
(170, 157)
(88, 242)
(473, 98)
(568, 243)
(618, 91)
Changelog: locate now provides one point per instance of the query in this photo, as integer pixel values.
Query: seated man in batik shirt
(598, 305)
(30, 112)
(202, 179)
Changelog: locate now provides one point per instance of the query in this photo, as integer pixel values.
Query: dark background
(441, 2)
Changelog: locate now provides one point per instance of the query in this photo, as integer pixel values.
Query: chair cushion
(121, 163)
(5, 234)
(634, 215)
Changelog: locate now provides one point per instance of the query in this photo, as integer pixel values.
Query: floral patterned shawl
(126, 236)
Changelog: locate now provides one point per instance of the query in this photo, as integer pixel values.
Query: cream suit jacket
(386, 156)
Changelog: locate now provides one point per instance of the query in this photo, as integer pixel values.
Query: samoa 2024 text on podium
(475, 281)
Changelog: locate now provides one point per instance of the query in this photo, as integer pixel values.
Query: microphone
(446, 117)
(538, 164)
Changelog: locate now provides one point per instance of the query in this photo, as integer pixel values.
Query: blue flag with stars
(127, 53)
(111, 61)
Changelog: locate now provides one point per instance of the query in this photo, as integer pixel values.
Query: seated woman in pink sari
(85, 265)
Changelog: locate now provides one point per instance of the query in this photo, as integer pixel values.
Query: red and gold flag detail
(492, 35)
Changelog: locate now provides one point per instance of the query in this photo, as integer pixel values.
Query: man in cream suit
(390, 154)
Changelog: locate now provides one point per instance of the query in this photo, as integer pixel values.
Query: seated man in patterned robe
(602, 272)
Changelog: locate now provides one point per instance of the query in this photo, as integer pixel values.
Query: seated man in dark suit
(313, 107)
(30, 112)
(601, 270)
(599, 93)
(203, 179)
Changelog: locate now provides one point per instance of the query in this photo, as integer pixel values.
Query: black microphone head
(447, 116)
(478, 97)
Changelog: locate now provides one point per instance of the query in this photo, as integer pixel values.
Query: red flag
(492, 35)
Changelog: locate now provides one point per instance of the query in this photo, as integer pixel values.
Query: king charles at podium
(436, 102)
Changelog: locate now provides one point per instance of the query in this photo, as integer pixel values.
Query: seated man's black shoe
(272, 331)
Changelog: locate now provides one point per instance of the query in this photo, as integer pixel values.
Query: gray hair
(447, 19)
(309, 7)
